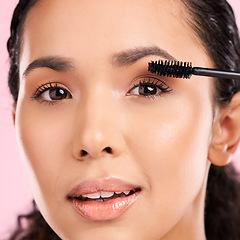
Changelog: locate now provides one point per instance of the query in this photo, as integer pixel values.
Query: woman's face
(91, 118)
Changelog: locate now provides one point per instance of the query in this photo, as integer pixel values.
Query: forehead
(110, 8)
(80, 28)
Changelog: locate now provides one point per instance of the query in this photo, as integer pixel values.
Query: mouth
(103, 200)
(102, 196)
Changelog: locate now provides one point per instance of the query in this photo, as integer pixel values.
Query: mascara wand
(185, 70)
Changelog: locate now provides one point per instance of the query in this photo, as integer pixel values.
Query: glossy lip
(103, 211)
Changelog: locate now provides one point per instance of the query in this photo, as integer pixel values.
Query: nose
(97, 130)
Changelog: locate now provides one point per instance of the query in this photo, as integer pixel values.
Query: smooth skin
(163, 142)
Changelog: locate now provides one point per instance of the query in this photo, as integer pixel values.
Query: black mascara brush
(185, 70)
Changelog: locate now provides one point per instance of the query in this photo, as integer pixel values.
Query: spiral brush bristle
(171, 68)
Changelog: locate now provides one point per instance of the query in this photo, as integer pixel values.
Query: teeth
(102, 194)
(92, 195)
(125, 192)
(106, 194)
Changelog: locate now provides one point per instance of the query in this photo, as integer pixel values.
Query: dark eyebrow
(131, 56)
(55, 63)
(126, 57)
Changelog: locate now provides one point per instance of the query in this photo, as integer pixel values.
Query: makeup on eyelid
(148, 87)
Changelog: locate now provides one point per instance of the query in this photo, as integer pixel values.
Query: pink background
(16, 195)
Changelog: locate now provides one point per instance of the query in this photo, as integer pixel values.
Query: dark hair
(37, 228)
(214, 24)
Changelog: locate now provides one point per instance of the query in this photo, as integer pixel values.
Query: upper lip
(105, 185)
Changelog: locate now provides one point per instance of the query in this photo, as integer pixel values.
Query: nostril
(108, 150)
(83, 153)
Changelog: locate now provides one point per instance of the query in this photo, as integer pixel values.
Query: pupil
(147, 90)
(59, 92)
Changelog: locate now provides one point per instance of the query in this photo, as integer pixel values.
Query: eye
(51, 93)
(149, 88)
(55, 94)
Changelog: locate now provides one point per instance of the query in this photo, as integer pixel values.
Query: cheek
(44, 139)
(172, 146)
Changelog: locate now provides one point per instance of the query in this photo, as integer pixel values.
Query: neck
(191, 225)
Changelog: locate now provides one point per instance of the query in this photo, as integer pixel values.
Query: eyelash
(151, 82)
(44, 88)
(154, 83)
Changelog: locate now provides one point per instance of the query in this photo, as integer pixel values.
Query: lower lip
(103, 211)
